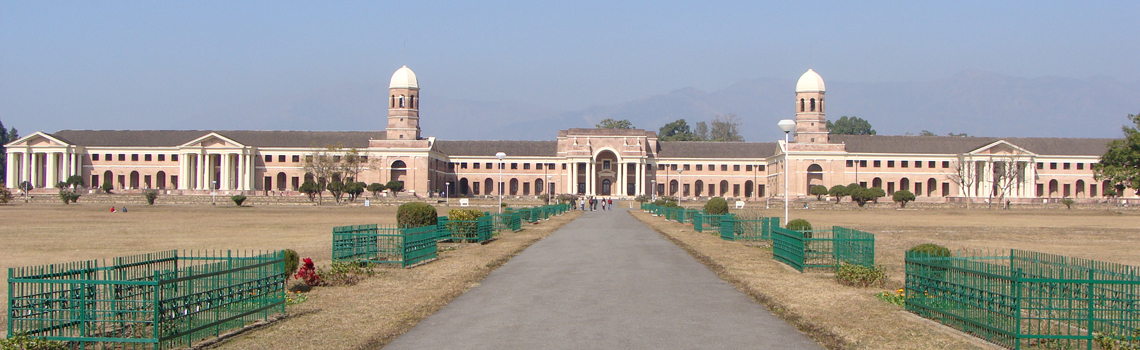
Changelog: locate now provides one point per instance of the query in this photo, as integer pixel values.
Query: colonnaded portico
(593, 162)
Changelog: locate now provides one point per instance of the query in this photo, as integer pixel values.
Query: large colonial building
(598, 162)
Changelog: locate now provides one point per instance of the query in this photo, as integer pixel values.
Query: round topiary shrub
(716, 206)
(930, 249)
(416, 214)
(798, 225)
(292, 260)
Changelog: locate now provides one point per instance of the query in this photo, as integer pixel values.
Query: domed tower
(811, 125)
(403, 106)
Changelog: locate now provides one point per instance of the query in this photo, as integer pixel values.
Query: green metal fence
(470, 231)
(507, 221)
(159, 300)
(823, 248)
(708, 221)
(376, 244)
(1024, 299)
(736, 228)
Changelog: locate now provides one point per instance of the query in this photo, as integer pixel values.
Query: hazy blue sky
(224, 64)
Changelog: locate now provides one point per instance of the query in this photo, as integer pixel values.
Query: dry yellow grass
(852, 318)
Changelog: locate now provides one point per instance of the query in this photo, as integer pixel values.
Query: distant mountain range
(974, 102)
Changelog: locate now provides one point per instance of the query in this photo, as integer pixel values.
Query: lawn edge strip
(821, 335)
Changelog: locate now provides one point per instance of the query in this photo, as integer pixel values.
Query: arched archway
(1080, 190)
(399, 171)
(877, 182)
(134, 180)
(538, 186)
(606, 187)
(1052, 188)
(489, 186)
(464, 189)
(904, 184)
(930, 186)
(698, 188)
(673, 186)
(605, 168)
(723, 187)
(514, 186)
(748, 189)
(160, 180)
(109, 178)
(814, 175)
(281, 181)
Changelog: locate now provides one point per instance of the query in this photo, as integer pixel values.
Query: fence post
(1017, 276)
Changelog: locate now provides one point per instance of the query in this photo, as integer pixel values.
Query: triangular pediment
(1001, 148)
(212, 140)
(38, 139)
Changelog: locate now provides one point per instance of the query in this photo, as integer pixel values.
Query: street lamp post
(550, 188)
(447, 192)
(653, 193)
(787, 125)
(679, 186)
(500, 155)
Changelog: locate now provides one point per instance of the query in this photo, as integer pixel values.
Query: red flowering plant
(308, 273)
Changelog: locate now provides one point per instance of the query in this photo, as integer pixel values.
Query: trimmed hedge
(416, 214)
(716, 206)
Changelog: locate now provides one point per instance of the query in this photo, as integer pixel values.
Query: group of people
(593, 203)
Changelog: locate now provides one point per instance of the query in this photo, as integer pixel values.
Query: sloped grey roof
(171, 138)
(958, 145)
(699, 149)
(489, 148)
(605, 132)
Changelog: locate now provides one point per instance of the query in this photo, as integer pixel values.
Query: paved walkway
(603, 281)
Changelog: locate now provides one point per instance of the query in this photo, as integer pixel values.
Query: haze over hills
(974, 102)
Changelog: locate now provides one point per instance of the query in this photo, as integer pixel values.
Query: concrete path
(603, 281)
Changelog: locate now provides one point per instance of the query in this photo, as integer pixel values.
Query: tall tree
(701, 131)
(1120, 164)
(678, 130)
(725, 128)
(610, 123)
(850, 126)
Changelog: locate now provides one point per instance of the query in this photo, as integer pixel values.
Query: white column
(181, 172)
(241, 178)
(203, 163)
(571, 183)
(251, 171)
(10, 176)
(590, 177)
(52, 168)
(637, 178)
(224, 173)
(66, 162)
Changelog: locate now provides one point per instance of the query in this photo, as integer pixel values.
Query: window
(162, 157)
(850, 163)
(878, 163)
(563, 166)
(1066, 166)
(890, 164)
(724, 167)
(699, 167)
(748, 167)
(606, 164)
(489, 166)
(736, 167)
(134, 157)
(1080, 166)
(1053, 166)
(514, 166)
(475, 165)
(268, 158)
(296, 159)
(918, 164)
(1040, 165)
(146, 157)
(450, 166)
(122, 157)
(95, 156)
(281, 158)
(686, 167)
(550, 166)
(174, 157)
(905, 163)
(712, 167)
(862, 164)
(930, 164)
(673, 167)
(526, 166)
(761, 167)
(107, 157)
(945, 165)
(660, 166)
(463, 165)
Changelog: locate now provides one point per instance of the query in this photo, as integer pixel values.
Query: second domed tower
(811, 125)
(403, 106)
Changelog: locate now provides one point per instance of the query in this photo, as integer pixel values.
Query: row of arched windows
(400, 101)
(809, 105)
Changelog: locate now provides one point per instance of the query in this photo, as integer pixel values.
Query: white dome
(404, 78)
(809, 82)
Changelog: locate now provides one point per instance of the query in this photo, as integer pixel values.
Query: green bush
(464, 214)
(931, 249)
(376, 188)
(416, 214)
(666, 201)
(5, 195)
(107, 187)
(798, 225)
(150, 196)
(24, 342)
(395, 187)
(68, 196)
(238, 199)
(642, 198)
(1068, 203)
(838, 192)
(860, 276)
(716, 206)
(818, 191)
(292, 260)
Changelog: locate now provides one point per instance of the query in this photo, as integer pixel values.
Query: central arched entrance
(399, 169)
(605, 172)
